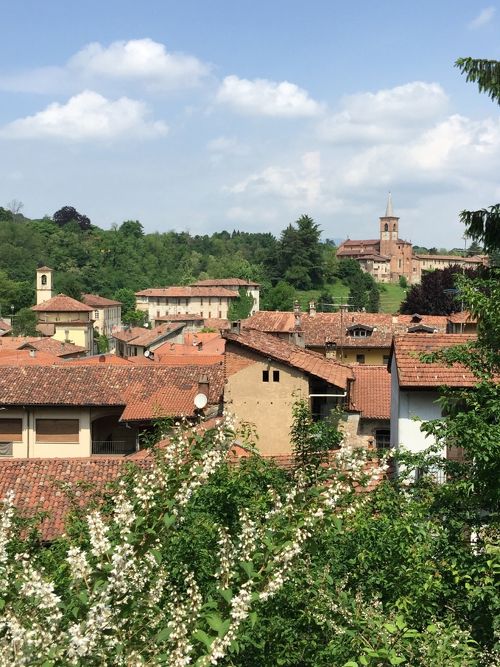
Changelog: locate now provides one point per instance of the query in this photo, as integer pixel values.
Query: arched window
(394, 227)
(44, 279)
(386, 227)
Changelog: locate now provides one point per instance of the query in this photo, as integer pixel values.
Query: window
(96, 314)
(383, 438)
(360, 358)
(276, 376)
(44, 279)
(209, 301)
(201, 301)
(386, 227)
(57, 430)
(265, 376)
(220, 314)
(11, 430)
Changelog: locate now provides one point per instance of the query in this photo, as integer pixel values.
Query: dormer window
(360, 330)
(421, 328)
(416, 317)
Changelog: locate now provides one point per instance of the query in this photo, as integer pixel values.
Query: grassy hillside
(391, 296)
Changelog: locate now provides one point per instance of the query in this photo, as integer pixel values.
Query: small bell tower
(389, 230)
(43, 284)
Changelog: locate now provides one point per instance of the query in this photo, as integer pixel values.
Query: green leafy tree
(358, 297)
(279, 297)
(483, 225)
(241, 307)
(300, 254)
(373, 299)
(24, 323)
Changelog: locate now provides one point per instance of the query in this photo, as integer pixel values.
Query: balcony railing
(113, 447)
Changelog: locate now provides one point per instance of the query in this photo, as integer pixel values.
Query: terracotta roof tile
(62, 304)
(223, 282)
(292, 355)
(96, 301)
(56, 347)
(323, 328)
(4, 326)
(39, 485)
(11, 357)
(144, 391)
(412, 372)
(187, 292)
(371, 392)
(143, 337)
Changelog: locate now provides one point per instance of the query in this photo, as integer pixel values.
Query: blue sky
(204, 116)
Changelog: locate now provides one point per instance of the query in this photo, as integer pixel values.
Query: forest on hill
(88, 259)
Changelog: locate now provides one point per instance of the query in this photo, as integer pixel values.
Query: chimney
(296, 313)
(236, 326)
(203, 385)
(312, 308)
(32, 353)
(102, 359)
(199, 345)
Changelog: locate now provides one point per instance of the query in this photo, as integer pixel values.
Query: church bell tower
(389, 230)
(43, 284)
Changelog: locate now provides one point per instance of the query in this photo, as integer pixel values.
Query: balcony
(112, 447)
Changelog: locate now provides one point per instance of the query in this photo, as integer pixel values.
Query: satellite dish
(147, 354)
(200, 400)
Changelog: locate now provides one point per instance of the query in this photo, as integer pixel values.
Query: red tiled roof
(143, 337)
(97, 301)
(271, 321)
(195, 358)
(11, 357)
(371, 392)
(323, 328)
(412, 372)
(55, 347)
(351, 242)
(373, 256)
(145, 391)
(222, 282)
(62, 304)
(309, 362)
(465, 317)
(187, 292)
(453, 258)
(39, 484)
(98, 359)
(45, 268)
(4, 326)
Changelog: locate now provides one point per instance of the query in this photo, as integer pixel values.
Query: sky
(245, 114)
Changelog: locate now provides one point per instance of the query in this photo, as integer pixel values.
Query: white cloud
(267, 98)
(484, 17)
(226, 146)
(141, 61)
(387, 115)
(86, 116)
(302, 184)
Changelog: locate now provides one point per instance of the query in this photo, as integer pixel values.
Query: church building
(389, 257)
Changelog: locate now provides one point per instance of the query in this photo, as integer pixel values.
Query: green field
(391, 296)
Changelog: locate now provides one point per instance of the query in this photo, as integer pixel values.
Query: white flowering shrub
(170, 568)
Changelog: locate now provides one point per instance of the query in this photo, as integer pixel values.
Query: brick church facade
(389, 257)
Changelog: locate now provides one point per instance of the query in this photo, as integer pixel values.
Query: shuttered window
(57, 430)
(11, 430)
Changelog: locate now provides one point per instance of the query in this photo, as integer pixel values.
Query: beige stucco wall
(373, 356)
(78, 335)
(107, 319)
(266, 405)
(29, 448)
(212, 307)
